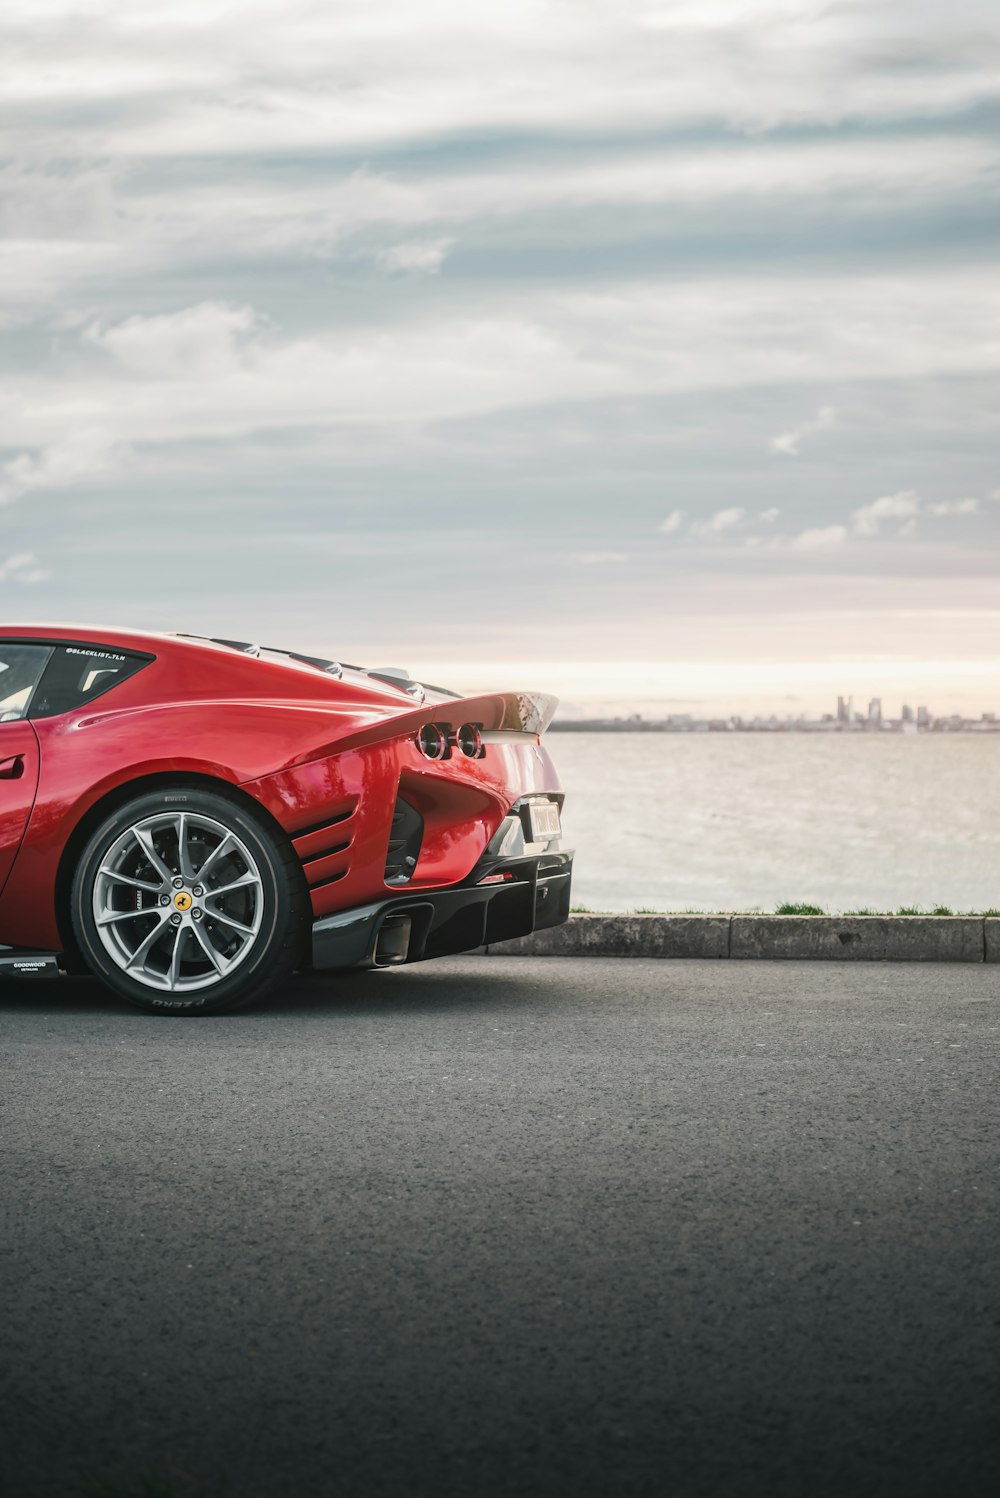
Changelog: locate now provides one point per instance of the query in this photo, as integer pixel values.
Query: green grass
(914, 910)
(688, 910)
(798, 907)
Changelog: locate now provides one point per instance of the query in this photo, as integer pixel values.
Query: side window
(21, 667)
(77, 674)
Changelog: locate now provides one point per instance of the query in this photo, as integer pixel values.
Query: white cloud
(953, 507)
(209, 372)
(866, 520)
(288, 74)
(199, 342)
(723, 520)
(820, 538)
(424, 258)
(769, 516)
(905, 506)
(673, 523)
(598, 558)
(787, 444)
(66, 221)
(84, 455)
(22, 567)
(218, 370)
(739, 330)
(299, 215)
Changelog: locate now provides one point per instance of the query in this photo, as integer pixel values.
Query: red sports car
(192, 819)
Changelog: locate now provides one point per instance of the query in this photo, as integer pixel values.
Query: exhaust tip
(470, 740)
(392, 944)
(431, 742)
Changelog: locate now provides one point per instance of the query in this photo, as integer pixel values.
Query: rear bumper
(534, 893)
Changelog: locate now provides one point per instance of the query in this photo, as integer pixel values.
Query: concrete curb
(930, 938)
(992, 939)
(626, 936)
(800, 938)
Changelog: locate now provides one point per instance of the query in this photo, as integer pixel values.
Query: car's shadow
(432, 987)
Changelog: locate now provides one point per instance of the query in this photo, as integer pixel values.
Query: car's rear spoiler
(506, 713)
(517, 712)
(501, 712)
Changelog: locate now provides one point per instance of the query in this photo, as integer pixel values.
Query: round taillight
(431, 742)
(470, 740)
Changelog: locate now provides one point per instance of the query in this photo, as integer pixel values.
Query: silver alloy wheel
(178, 901)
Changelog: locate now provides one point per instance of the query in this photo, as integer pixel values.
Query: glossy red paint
(324, 757)
(18, 780)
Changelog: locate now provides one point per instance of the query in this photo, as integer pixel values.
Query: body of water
(737, 821)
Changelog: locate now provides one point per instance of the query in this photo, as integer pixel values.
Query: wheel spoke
(144, 948)
(175, 956)
(127, 879)
(145, 840)
(183, 854)
(216, 958)
(219, 851)
(115, 916)
(227, 920)
(243, 882)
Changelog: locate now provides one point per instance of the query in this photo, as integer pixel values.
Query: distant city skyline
(620, 687)
(846, 718)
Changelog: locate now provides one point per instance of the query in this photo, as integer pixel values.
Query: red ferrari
(192, 819)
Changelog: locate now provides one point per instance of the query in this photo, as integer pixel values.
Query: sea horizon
(677, 822)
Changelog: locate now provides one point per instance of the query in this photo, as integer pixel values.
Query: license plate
(544, 820)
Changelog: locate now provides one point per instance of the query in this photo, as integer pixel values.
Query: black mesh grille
(404, 843)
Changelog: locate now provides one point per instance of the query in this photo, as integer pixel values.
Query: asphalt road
(507, 1227)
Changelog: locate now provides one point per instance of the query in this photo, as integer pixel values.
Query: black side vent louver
(404, 843)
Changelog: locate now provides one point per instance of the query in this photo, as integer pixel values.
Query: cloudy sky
(644, 349)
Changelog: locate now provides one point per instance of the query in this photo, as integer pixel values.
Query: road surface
(507, 1226)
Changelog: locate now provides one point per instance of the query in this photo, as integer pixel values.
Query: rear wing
(508, 712)
(499, 716)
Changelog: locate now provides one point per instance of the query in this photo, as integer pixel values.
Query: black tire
(267, 958)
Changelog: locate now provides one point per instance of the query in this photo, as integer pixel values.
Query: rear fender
(338, 809)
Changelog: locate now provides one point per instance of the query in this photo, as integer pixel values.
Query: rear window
(77, 674)
(21, 667)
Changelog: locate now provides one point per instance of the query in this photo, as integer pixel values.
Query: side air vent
(324, 849)
(404, 843)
